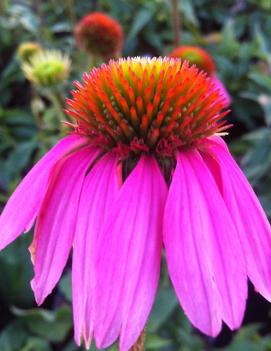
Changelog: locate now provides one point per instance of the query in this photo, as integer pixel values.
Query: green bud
(47, 68)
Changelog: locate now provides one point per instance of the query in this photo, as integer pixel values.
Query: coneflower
(144, 168)
(203, 60)
(100, 35)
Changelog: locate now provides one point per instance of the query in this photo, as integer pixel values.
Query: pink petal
(56, 221)
(98, 192)
(22, 208)
(129, 255)
(223, 91)
(253, 227)
(202, 248)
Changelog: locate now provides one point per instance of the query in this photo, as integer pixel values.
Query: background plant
(237, 34)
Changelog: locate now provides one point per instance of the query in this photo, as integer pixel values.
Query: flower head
(143, 168)
(28, 49)
(47, 68)
(98, 34)
(146, 105)
(203, 60)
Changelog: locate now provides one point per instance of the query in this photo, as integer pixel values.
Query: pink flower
(203, 60)
(144, 168)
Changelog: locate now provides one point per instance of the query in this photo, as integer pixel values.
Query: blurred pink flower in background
(143, 168)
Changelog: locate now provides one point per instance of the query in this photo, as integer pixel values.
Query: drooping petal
(22, 208)
(223, 91)
(251, 222)
(98, 192)
(54, 230)
(128, 257)
(203, 251)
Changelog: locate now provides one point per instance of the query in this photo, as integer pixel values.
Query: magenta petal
(223, 91)
(56, 221)
(22, 208)
(253, 227)
(98, 192)
(202, 248)
(128, 257)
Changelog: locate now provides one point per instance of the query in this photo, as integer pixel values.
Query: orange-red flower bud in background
(195, 55)
(100, 35)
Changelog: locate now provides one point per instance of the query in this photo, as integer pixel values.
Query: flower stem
(139, 345)
(35, 112)
(176, 19)
(70, 5)
(95, 61)
(57, 103)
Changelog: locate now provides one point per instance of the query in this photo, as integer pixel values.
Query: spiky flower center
(140, 105)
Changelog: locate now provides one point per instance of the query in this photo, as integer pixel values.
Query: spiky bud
(47, 68)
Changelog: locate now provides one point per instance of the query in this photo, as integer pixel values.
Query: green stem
(95, 61)
(56, 100)
(71, 12)
(35, 111)
(38, 122)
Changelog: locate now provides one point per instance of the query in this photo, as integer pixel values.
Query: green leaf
(12, 337)
(53, 326)
(264, 101)
(20, 158)
(155, 342)
(36, 344)
(24, 15)
(72, 347)
(16, 273)
(266, 202)
(188, 11)
(65, 286)
(230, 46)
(142, 17)
(164, 305)
(260, 44)
(257, 161)
(247, 339)
(262, 79)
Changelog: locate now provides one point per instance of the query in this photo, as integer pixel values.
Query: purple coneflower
(143, 168)
(203, 60)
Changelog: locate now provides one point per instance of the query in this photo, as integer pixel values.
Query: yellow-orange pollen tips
(146, 105)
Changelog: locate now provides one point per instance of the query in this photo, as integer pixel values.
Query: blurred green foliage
(237, 34)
